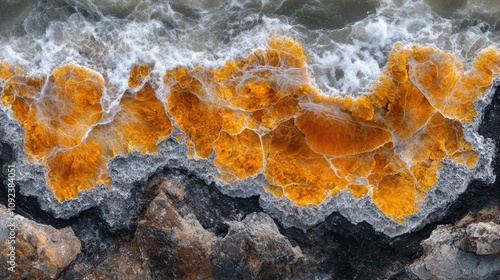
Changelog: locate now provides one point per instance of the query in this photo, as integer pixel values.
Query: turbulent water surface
(346, 42)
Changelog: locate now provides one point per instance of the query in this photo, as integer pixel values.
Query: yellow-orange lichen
(62, 125)
(388, 144)
(239, 156)
(290, 163)
(261, 115)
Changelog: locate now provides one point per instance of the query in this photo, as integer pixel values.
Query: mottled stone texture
(469, 250)
(482, 239)
(42, 251)
(254, 247)
(171, 243)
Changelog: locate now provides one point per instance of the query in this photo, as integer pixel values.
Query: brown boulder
(171, 243)
(41, 251)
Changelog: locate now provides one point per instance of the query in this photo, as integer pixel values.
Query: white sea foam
(111, 38)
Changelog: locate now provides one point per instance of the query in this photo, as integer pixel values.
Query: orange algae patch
(307, 176)
(442, 78)
(54, 118)
(388, 144)
(76, 169)
(395, 195)
(138, 74)
(200, 121)
(358, 190)
(141, 123)
(409, 111)
(277, 191)
(6, 71)
(305, 194)
(338, 134)
(62, 125)
(143, 120)
(71, 102)
(239, 155)
(260, 115)
(426, 175)
(205, 102)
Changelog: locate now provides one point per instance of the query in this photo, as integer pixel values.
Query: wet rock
(125, 262)
(174, 241)
(41, 251)
(254, 248)
(444, 259)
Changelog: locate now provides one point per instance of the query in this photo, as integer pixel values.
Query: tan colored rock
(179, 241)
(41, 251)
(466, 220)
(488, 213)
(482, 239)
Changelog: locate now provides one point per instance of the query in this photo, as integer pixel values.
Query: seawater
(346, 41)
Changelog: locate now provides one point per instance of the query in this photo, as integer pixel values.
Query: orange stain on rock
(239, 156)
(61, 117)
(142, 122)
(261, 115)
(291, 163)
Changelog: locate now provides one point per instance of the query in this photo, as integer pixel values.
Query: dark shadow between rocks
(211, 207)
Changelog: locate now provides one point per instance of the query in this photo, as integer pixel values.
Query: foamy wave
(344, 57)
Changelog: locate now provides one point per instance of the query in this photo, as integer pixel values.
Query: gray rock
(482, 238)
(254, 248)
(444, 259)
